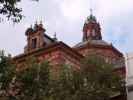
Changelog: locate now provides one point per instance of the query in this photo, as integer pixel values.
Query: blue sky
(66, 18)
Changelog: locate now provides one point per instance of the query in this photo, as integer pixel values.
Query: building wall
(109, 55)
(56, 58)
(59, 57)
(129, 75)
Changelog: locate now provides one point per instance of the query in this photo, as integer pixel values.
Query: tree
(62, 87)
(95, 81)
(10, 9)
(102, 82)
(34, 81)
(6, 73)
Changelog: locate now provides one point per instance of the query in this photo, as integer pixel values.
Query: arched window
(34, 43)
(88, 33)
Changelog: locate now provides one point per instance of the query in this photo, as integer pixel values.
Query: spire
(91, 17)
(35, 25)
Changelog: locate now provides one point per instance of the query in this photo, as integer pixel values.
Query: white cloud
(66, 17)
(74, 9)
(113, 7)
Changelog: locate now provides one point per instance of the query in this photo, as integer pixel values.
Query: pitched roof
(48, 37)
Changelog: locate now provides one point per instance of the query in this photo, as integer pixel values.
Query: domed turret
(91, 29)
(35, 37)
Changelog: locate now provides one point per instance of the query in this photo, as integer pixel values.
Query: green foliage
(6, 72)
(95, 80)
(10, 9)
(102, 81)
(35, 80)
(61, 89)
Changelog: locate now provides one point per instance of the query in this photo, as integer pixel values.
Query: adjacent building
(129, 75)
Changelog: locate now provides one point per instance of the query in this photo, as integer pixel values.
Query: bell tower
(91, 29)
(35, 38)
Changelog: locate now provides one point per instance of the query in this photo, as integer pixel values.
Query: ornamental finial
(55, 37)
(31, 26)
(91, 11)
(36, 22)
(40, 21)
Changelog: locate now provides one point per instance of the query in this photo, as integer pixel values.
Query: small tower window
(34, 43)
(93, 33)
(88, 33)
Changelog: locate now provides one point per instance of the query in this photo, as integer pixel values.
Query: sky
(67, 17)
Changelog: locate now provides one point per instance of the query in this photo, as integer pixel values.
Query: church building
(43, 47)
